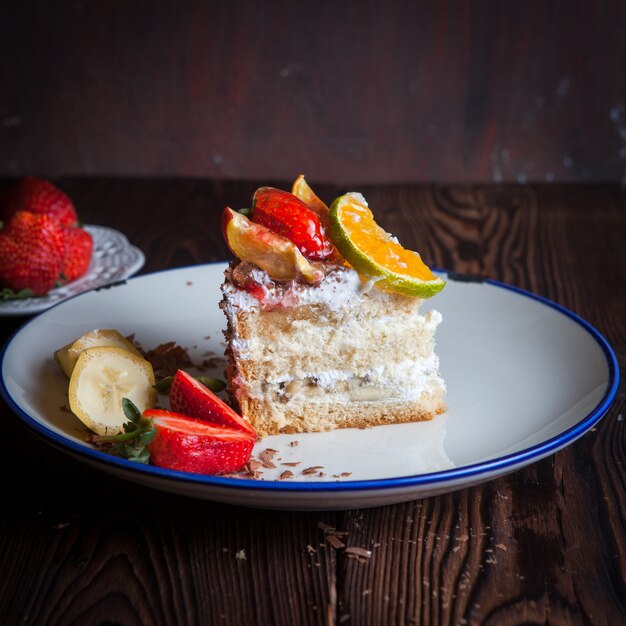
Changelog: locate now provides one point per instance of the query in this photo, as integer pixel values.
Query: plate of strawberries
(47, 256)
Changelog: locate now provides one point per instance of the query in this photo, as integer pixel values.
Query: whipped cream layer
(337, 289)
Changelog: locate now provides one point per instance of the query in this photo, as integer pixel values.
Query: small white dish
(525, 378)
(114, 259)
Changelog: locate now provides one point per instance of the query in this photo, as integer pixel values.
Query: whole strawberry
(32, 250)
(78, 251)
(42, 197)
(283, 213)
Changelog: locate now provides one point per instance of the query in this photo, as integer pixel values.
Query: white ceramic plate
(114, 258)
(525, 378)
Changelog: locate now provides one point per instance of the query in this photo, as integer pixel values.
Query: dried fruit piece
(301, 190)
(275, 254)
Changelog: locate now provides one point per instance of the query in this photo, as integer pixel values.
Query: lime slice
(375, 253)
(101, 378)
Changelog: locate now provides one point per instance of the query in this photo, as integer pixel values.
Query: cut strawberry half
(275, 254)
(190, 397)
(187, 444)
(287, 215)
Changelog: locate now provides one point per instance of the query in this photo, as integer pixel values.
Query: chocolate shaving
(346, 473)
(292, 464)
(167, 358)
(286, 474)
(213, 362)
(335, 542)
(268, 465)
(313, 469)
(267, 455)
(355, 551)
(310, 549)
(253, 465)
(325, 527)
(294, 443)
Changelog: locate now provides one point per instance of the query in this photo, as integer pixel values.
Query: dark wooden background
(522, 90)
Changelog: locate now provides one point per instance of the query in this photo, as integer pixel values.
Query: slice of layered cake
(324, 329)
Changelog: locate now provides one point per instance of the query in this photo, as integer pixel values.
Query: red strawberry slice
(42, 197)
(283, 213)
(187, 444)
(78, 251)
(190, 397)
(31, 253)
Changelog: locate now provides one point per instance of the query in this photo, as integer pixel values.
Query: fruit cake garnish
(324, 329)
(112, 391)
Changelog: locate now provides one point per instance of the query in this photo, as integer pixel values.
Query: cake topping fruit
(272, 252)
(178, 442)
(41, 197)
(192, 398)
(377, 254)
(67, 356)
(31, 253)
(101, 377)
(301, 189)
(285, 214)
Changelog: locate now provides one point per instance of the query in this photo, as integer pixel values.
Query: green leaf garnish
(214, 384)
(131, 411)
(138, 433)
(163, 386)
(246, 212)
(9, 294)
(147, 436)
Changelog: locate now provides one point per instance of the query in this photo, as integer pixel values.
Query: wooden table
(544, 545)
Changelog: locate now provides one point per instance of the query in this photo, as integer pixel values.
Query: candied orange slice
(375, 253)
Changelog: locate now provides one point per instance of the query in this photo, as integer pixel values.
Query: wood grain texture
(546, 544)
(391, 91)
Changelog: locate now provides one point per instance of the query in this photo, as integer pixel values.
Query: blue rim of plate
(501, 464)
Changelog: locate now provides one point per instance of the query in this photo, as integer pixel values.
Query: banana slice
(67, 356)
(103, 376)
